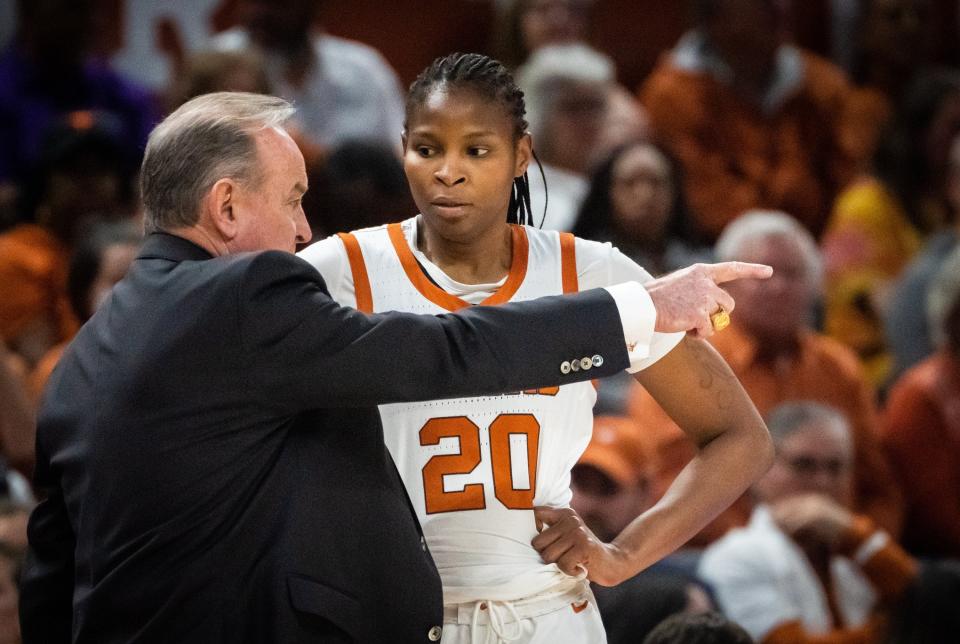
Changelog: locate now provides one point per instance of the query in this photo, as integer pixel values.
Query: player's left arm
(696, 387)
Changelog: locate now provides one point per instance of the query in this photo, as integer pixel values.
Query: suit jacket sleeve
(47, 582)
(304, 350)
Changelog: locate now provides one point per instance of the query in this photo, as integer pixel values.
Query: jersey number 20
(471, 497)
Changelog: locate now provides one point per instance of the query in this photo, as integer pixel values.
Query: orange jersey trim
(361, 281)
(518, 270)
(568, 263)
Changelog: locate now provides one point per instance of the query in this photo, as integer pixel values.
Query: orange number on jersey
(501, 429)
(471, 497)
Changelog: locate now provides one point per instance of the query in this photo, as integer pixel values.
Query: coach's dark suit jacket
(215, 461)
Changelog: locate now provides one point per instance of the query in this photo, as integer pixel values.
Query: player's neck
(482, 260)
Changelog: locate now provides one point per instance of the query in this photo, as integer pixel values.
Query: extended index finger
(729, 271)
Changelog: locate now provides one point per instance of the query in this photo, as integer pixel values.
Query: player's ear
(524, 154)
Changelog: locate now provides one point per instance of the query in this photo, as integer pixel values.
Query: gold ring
(720, 319)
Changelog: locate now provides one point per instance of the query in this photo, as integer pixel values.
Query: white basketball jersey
(475, 467)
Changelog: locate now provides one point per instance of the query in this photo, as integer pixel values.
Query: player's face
(461, 157)
(270, 214)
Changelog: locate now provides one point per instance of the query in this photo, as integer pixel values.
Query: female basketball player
(484, 473)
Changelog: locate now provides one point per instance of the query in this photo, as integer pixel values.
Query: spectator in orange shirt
(83, 175)
(921, 429)
(777, 356)
(756, 122)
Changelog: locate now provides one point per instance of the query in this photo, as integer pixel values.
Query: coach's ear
(220, 207)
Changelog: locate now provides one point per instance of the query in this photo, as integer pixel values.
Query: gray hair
(206, 139)
(763, 224)
(943, 297)
(550, 66)
(787, 418)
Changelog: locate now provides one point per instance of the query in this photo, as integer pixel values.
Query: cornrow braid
(490, 79)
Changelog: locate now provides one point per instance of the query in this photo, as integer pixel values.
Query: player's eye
(477, 151)
(425, 151)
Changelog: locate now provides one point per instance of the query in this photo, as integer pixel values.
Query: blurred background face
(815, 458)
(604, 504)
(553, 22)
(775, 308)
(574, 124)
(893, 31)
(641, 192)
(747, 34)
(278, 24)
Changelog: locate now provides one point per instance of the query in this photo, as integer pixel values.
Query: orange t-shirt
(736, 158)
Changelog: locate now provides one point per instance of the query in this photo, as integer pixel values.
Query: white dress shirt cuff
(638, 317)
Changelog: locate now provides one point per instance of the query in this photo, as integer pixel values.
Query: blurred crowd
(820, 137)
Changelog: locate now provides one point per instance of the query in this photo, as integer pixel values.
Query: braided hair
(491, 80)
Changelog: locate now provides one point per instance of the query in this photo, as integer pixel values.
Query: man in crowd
(807, 566)
(774, 351)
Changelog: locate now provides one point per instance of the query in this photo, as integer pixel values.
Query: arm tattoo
(712, 374)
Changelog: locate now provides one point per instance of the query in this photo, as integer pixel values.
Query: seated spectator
(777, 356)
(83, 173)
(636, 201)
(880, 221)
(921, 428)
(528, 25)
(754, 121)
(48, 73)
(100, 260)
(807, 568)
(342, 89)
(702, 628)
(624, 121)
(906, 325)
(610, 485)
(566, 89)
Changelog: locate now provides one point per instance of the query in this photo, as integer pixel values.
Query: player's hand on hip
(685, 299)
(566, 541)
